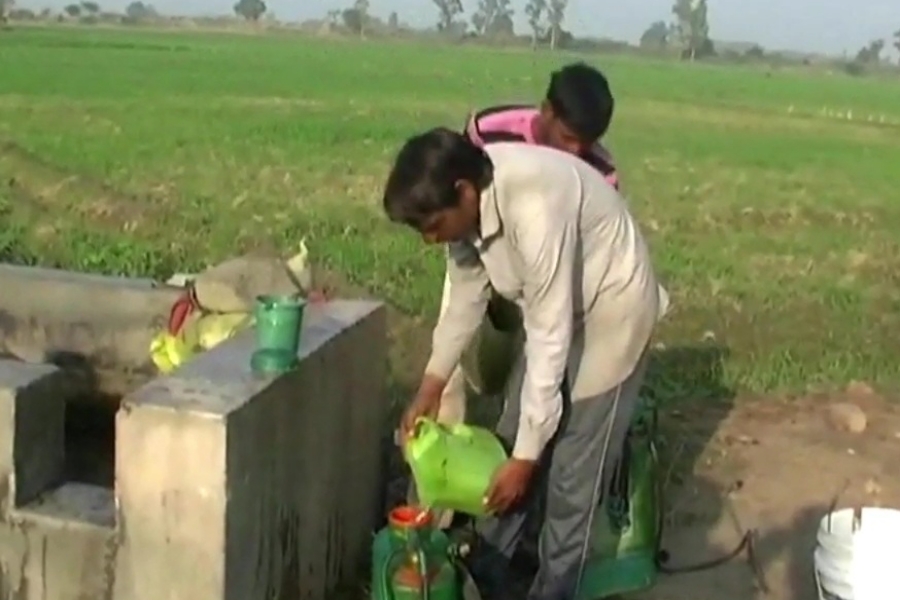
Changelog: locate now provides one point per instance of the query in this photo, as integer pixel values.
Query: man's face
(453, 224)
(556, 134)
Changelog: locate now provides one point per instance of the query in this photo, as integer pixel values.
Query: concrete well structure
(227, 485)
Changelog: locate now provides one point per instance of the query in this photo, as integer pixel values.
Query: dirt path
(784, 463)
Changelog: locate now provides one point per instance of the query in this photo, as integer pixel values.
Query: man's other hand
(509, 485)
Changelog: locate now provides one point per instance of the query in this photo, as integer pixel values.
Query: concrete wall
(237, 487)
(55, 541)
(228, 485)
(59, 316)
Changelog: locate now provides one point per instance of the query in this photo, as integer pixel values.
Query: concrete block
(32, 435)
(235, 487)
(108, 322)
(56, 560)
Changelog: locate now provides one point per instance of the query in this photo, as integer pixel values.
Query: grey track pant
(568, 489)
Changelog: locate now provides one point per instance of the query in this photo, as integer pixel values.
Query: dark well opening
(82, 487)
(90, 437)
(90, 419)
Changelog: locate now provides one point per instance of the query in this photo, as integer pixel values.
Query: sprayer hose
(662, 556)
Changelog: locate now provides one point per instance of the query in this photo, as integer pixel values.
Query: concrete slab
(56, 559)
(238, 487)
(49, 315)
(72, 502)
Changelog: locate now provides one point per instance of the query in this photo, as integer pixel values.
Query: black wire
(747, 542)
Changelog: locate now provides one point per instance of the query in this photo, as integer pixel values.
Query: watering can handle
(424, 433)
(459, 430)
(424, 425)
(427, 432)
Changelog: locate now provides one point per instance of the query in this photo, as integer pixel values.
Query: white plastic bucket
(856, 555)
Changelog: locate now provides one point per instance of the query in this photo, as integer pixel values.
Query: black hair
(580, 97)
(423, 178)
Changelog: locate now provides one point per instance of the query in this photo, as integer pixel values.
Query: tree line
(494, 18)
(86, 11)
(687, 32)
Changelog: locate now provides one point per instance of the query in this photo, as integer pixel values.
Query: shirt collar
(490, 214)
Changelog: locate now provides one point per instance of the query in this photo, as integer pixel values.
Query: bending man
(544, 230)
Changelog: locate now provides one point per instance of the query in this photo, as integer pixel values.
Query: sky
(827, 26)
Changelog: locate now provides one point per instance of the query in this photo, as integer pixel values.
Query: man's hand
(510, 484)
(318, 296)
(426, 403)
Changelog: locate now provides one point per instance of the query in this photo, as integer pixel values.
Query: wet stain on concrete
(289, 547)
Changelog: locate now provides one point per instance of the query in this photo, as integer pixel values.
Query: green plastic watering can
(453, 465)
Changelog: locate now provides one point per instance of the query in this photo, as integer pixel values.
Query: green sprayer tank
(413, 560)
(626, 529)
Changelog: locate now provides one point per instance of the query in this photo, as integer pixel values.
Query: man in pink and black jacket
(573, 117)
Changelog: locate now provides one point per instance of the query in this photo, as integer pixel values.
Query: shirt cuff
(530, 441)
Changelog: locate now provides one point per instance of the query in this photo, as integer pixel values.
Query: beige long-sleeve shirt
(559, 241)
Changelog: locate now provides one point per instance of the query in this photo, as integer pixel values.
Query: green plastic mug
(278, 322)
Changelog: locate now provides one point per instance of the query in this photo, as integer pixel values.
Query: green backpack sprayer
(627, 555)
(627, 526)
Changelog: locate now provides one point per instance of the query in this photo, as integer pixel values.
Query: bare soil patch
(776, 466)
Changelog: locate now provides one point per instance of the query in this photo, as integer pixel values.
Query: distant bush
(22, 14)
(854, 68)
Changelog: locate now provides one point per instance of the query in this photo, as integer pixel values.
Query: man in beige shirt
(544, 230)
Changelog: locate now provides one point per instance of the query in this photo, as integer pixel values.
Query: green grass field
(773, 225)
